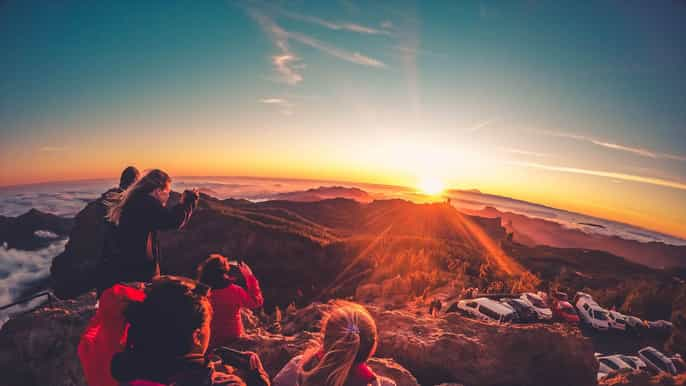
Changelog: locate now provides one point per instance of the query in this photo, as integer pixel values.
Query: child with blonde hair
(349, 339)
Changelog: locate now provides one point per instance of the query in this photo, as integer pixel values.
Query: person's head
(217, 272)
(173, 320)
(155, 183)
(349, 338)
(128, 177)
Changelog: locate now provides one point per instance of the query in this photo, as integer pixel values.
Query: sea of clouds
(20, 270)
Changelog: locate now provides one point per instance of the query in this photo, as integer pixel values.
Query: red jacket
(226, 304)
(106, 334)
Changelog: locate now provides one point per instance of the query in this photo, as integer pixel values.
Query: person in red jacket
(233, 286)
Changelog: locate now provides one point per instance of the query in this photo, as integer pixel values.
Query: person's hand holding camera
(245, 269)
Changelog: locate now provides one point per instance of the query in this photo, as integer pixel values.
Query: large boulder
(456, 349)
(633, 378)
(40, 347)
(451, 348)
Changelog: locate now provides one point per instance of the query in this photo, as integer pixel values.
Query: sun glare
(431, 186)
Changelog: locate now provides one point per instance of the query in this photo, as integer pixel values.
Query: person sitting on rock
(339, 359)
(139, 213)
(168, 338)
(233, 287)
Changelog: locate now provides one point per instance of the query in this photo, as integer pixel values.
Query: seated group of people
(180, 332)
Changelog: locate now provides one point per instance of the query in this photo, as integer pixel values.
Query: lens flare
(431, 186)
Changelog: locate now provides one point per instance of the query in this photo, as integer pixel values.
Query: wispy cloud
(603, 173)
(284, 105)
(524, 152)
(273, 101)
(53, 149)
(286, 63)
(332, 25)
(480, 125)
(353, 57)
(619, 147)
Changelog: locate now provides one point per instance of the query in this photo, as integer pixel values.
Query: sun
(431, 186)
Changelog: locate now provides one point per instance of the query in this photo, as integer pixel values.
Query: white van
(617, 320)
(657, 361)
(487, 309)
(592, 314)
(611, 363)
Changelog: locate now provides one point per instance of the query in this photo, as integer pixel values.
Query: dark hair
(163, 324)
(128, 177)
(218, 273)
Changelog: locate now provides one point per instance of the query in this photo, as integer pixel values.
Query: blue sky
(526, 99)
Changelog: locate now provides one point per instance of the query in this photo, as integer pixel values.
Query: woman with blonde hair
(349, 339)
(139, 212)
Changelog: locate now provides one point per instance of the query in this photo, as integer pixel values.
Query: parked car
(564, 311)
(656, 361)
(634, 323)
(525, 313)
(562, 296)
(487, 309)
(617, 320)
(611, 363)
(580, 295)
(592, 314)
(659, 324)
(635, 362)
(679, 363)
(538, 305)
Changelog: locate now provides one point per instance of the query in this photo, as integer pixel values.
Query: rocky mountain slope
(33, 229)
(534, 231)
(392, 255)
(40, 348)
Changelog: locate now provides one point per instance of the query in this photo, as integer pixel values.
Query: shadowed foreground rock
(39, 348)
(454, 349)
(643, 379)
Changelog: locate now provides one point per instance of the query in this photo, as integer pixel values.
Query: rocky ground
(394, 257)
(39, 348)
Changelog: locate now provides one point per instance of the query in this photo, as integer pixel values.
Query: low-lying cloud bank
(20, 270)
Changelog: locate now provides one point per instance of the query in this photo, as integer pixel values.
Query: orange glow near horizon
(431, 186)
(430, 167)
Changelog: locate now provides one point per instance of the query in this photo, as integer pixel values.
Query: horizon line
(407, 188)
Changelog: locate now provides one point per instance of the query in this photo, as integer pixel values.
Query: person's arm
(251, 296)
(175, 217)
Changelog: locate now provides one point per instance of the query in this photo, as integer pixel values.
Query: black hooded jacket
(138, 255)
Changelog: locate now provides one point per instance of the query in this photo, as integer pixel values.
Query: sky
(579, 106)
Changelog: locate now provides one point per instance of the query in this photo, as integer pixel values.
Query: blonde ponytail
(349, 339)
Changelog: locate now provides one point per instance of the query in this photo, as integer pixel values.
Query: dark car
(525, 313)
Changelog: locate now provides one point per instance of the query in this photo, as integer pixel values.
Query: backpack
(82, 265)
